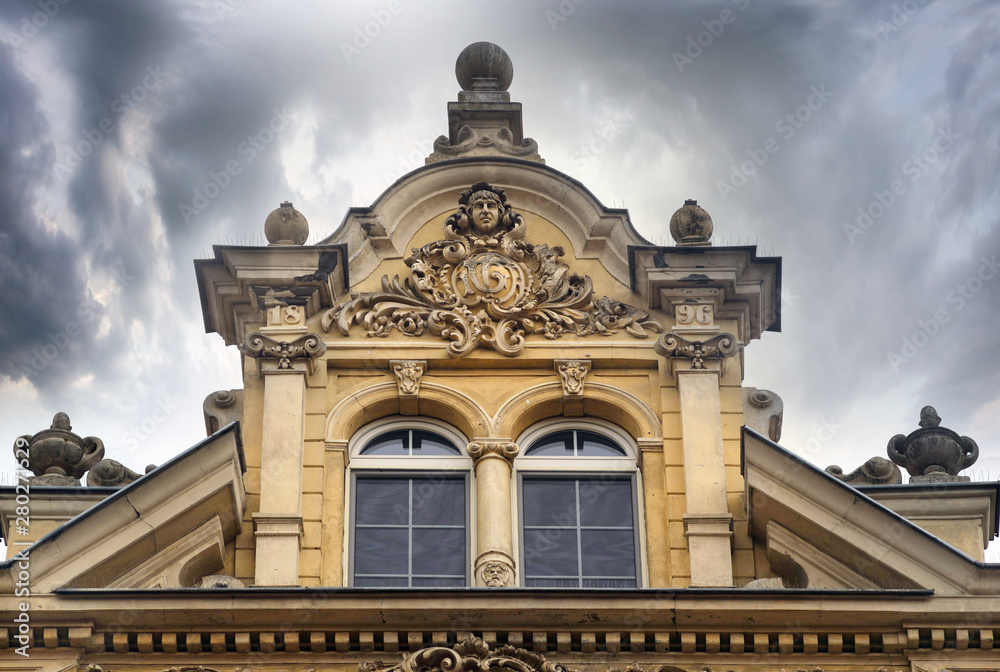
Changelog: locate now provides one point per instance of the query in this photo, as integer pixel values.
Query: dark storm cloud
(39, 267)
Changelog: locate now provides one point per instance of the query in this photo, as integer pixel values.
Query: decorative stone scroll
(469, 655)
(485, 285)
(261, 346)
(113, 474)
(876, 471)
(720, 346)
(571, 373)
(473, 143)
(501, 448)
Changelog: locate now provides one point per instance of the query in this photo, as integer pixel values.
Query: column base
(277, 558)
(709, 538)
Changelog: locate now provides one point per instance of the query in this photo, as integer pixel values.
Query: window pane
(548, 582)
(380, 551)
(438, 582)
(439, 552)
(605, 502)
(608, 552)
(425, 443)
(551, 552)
(591, 444)
(391, 443)
(609, 583)
(438, 500)
(380, 582)
(549, 502)
(382, 501)
(558, 445)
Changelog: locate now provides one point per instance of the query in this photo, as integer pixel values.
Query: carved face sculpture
(484, 209)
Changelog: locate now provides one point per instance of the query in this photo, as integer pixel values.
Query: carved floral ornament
(485, 285)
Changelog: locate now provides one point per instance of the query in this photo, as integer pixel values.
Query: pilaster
(278, 524)
(696, 351)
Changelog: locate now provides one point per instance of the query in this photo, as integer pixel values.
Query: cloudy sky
(860, 141)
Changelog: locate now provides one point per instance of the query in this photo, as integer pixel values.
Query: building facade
(486, 424)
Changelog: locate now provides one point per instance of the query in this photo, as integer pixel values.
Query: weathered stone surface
(286, 226)
(876, 471)
(691, 225)
(933, 454)
(56, 455)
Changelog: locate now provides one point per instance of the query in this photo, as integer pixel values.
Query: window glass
(410, 512)
(578, 530)
(410, 530)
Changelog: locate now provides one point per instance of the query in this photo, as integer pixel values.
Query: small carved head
(484, 209)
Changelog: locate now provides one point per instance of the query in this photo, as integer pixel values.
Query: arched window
(578, 507)
(410, 506)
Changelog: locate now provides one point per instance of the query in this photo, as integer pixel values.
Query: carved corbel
(572, 373)
(284, 356)
(489, 448)
(701, 355)
(408, 374)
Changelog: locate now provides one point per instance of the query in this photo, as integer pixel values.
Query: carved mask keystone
(484, 285)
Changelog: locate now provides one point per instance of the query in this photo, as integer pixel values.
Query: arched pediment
(383, 230)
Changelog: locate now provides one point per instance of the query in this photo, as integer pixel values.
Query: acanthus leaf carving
(484, 285)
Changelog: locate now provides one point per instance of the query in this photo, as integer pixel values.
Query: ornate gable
(486, 285)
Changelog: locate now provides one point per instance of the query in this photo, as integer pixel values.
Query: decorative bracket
(408, 374)
(572, 373)
(287, 356)
(718, 348)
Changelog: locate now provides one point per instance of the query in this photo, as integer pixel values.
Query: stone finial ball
(484, 59)
(691, 225)
(286, 226)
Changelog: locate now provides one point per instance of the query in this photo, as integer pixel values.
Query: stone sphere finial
(483, 66)
(286, 226)
(691, 225)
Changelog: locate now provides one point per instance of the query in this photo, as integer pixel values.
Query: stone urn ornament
(56, 455)
(933, 454)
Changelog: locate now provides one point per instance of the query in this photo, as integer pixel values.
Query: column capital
(504, 449)
(284, 356)
(699, 355)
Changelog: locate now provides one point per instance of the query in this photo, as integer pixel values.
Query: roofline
(995, 567)
(703, 249)
(125, 491)
(364, 209)
(199, 264)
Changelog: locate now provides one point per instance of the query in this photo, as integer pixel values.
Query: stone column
(708, 524)
(493, 460)
(278, 524)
